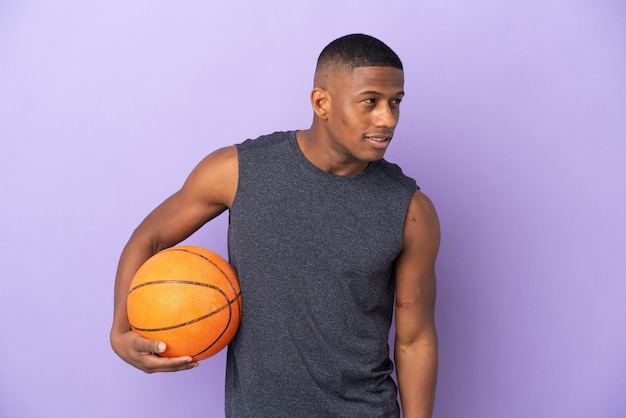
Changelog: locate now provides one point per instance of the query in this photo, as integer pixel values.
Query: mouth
(378, 141)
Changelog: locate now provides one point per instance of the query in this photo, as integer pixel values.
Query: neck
(316, 148)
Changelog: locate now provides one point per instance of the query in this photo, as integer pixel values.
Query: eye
(396, 101)
(369, 101)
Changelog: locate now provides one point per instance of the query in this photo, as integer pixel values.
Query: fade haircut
(357, 50)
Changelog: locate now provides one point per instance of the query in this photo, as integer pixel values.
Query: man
(323, 234)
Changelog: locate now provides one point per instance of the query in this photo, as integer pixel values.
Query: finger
(154, 363)
(155, 347)
(143, 345)
(187, 366)
(147, 357)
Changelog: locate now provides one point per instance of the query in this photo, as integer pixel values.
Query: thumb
(156, 346)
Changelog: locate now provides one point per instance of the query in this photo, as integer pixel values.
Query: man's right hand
(143, 353)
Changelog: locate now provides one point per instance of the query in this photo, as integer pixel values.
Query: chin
(371, 157)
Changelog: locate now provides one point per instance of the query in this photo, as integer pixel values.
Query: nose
(386, 116)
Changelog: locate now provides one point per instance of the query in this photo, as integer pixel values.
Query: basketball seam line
(170, 281)
(186, 250)
(221, 308)
(230, 317)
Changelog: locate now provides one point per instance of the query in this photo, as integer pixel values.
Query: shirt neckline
(306, 163)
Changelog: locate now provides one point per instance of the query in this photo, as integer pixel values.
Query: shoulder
(392, 172)
(421, 225)
(264, 141)
(220, 160)
(260, 154)
(421, 207)
(215, 177)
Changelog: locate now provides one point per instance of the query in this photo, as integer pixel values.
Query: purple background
(514, 124)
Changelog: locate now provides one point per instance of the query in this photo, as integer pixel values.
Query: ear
(320, 100)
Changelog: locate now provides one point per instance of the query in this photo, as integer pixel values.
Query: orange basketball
(189, 298)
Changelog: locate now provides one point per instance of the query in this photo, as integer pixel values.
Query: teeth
(377, 139)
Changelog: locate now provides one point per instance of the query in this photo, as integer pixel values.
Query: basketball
(189, 298)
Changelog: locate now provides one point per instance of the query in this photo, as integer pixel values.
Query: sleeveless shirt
(315, 254)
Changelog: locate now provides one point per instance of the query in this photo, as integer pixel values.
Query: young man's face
(364, 111)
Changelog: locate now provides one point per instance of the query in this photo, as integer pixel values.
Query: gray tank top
(315, 254)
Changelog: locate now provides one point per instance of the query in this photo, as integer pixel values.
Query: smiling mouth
(379, 140)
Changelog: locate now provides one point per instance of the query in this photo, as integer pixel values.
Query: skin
(355, 115)
(416, 353)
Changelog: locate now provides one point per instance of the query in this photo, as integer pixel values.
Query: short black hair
(358, 50)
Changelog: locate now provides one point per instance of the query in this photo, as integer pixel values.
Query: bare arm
(416, 336)
(207, 192)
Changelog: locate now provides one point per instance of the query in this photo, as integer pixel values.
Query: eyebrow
(400, 93)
